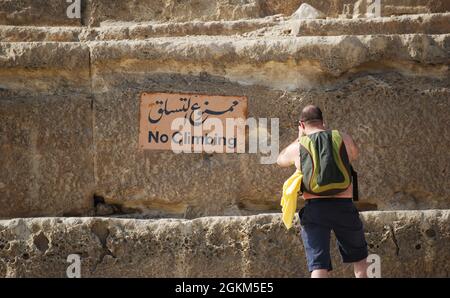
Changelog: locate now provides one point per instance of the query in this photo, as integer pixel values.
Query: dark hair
(311, 113)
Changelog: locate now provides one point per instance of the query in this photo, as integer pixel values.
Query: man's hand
(301, 132)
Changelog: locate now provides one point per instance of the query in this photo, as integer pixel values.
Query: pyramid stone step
(95, 12)
(406, 24)
(409, 244)
(89, 92)
(269, 27)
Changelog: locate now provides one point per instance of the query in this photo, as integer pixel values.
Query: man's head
(310, 117)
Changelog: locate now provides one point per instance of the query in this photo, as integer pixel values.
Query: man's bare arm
(288, 156)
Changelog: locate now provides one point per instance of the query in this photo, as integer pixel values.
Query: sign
(190, 120)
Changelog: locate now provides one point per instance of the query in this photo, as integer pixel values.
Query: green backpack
(325, 164)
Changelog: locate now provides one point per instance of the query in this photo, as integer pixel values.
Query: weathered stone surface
(207, 10)
(410, 244)
(156, 10)
(389, 173)
(163, 11)
(137, 31)
(270, 26)
(44, 55)
(46, 156)
(382, 106)
(32, 33)
(241, 60)
(306, 11)
(407, 24)
(47, 68)
(95, 12)
(388, 7)
(46, 148)
(400, 77)
(35, 12)
(362, 8)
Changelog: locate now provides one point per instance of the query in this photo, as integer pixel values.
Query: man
(323, 157)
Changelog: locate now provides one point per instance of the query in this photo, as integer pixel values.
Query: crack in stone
(101, 231)
(394, 239)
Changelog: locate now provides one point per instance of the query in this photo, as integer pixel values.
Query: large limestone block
(103, 11)
(46, 148)
(273, 26)
(288, 63)
(172, 10)
(379, 110)
(28, 68)
(410, 244)
(388, 7)
(369, 86)
(36, 12)
(34, 33)
(46, 156)
(306, 11)
(405, 24)
(157, 181)
(96, 12)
